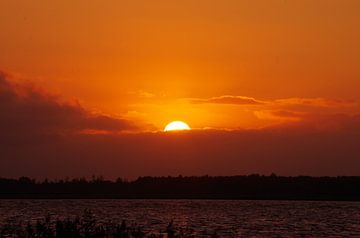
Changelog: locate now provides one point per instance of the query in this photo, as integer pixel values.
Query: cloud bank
(41, 137)
(229, 99)
(27, 111)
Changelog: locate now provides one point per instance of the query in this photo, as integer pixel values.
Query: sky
(87, 87)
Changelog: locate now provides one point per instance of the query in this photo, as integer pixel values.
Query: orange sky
(85, 71)
(143, 59)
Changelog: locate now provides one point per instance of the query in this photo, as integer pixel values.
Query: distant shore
(249, 187)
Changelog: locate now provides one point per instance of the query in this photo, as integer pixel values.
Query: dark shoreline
(102, 197)
(251, 187)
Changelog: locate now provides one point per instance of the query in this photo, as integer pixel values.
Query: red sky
(86, 87)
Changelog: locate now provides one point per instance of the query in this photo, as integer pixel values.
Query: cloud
(331, 122)
(315, 102)
(243, 100)
(255, 113)
(289, 108)
(295, 150)
(26, 111)
(279, 115)
(229, 99)
(42, 137)
(142, 94)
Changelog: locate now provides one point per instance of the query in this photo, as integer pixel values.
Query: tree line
(188, 187)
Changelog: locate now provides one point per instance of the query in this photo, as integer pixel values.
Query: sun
(177, 126)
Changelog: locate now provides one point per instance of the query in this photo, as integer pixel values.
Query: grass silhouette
(85, 226)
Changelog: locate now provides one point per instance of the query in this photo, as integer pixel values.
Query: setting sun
(177, 126)
(211, 101)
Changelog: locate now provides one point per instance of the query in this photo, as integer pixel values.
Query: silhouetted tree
(253, 186)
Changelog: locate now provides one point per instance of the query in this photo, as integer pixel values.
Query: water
(203, 217)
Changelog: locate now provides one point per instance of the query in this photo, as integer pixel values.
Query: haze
(86, 87)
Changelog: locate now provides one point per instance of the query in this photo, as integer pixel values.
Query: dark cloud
(315, 102)
(291, 150)
(39, 138)
(339, 122)
(27, 112)
(287, 114)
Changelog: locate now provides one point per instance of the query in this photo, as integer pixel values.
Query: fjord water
(203, 217)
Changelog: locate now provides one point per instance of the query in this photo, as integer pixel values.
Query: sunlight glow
(177, 126)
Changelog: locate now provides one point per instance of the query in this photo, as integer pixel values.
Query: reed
(85, 226)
